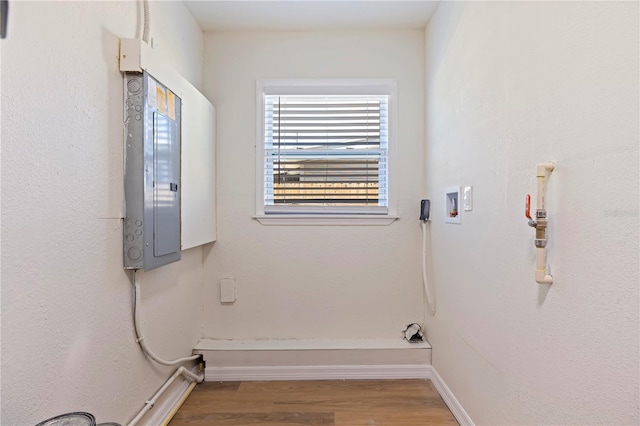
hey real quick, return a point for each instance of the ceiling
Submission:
(300, 15)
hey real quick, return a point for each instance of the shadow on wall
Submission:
(543, 290)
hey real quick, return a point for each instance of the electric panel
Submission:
(152, 173)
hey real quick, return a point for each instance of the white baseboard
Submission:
(170, 398)
(317, 372)
(312, 352)
(449, 398)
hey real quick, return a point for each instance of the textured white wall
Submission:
(306, 281)
(510, 84)
(67, 337)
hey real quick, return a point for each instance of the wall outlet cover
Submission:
(467, 198)
(227, 290)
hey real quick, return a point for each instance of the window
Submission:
(324, 148)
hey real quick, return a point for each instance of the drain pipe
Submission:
(540, 223)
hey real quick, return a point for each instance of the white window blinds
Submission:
(326, 153)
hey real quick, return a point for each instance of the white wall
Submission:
(510, 84)
(67, 337)
(311, 281)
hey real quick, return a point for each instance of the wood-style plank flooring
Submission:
(327, 402)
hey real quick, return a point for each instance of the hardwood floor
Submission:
(326, 402)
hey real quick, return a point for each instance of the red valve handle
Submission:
(527, 207)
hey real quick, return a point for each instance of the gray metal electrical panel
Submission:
(152, 173)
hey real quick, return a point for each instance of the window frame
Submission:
(368, 86)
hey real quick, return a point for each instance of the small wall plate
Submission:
(467, 198)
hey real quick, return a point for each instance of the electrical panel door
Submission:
(152, 173)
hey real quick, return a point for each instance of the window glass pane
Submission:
(326, 151)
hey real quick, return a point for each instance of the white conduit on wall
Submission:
(140, 336)
(181, 371)
(425, 281)
(541, 228)
(146, 23)
(147, 351)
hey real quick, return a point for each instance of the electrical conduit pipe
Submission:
(140, 337)
(198, 378)
(195, 378)
(146, 25)
(425, 282)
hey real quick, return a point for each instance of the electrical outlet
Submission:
(467, 198)
(227, 290)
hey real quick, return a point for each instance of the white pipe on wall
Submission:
(145, 24)
(541, 267)
(140, 337)
(147, 351)
(541, 225)
(425, 282)
(541, 173)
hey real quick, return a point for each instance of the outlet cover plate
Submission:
(467, 198)
(227, 290)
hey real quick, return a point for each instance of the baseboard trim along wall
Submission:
(449, 398)
(312, 352)
(317, 372)
(169, 400)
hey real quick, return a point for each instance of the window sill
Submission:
(325, 220)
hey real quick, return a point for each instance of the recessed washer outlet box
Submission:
(452, 205)
(152, 173)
